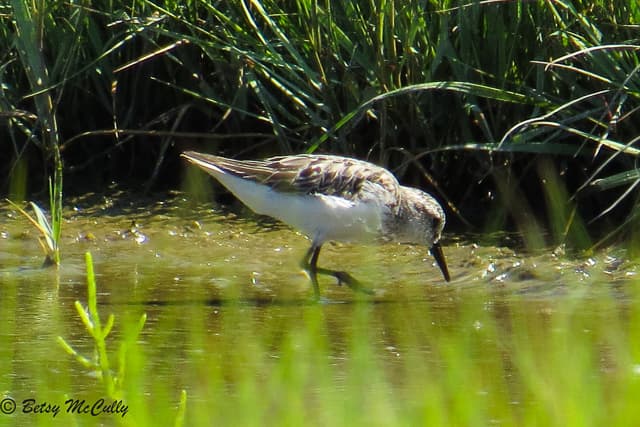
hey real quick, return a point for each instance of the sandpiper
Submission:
(332, 198)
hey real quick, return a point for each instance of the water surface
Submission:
(227, 305)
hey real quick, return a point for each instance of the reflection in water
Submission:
(227, 305)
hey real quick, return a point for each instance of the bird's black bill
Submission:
(436, 252)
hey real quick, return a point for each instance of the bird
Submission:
(332, 198)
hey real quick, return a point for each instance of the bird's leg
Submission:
(310, 264)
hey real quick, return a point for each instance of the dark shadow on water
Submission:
(264, 302)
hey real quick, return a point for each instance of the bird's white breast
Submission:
(320, 217)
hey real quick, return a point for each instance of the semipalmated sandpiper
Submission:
(332, 198)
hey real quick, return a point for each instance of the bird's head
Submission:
(427, 222)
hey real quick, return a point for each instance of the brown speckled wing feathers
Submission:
(309, 174)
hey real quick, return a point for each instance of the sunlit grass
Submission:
(91, 321)
(473, 92)
(464, 90)
(29, 21)
(49, 230)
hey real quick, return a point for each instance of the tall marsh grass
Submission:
(468, 91)
(29, 23)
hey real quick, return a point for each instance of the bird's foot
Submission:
(341, 276)
(345, 278)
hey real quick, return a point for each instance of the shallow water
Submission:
(189, 253)
(212, 281)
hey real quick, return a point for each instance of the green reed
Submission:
(29, 22)
(93, 324)
(384, 79)
(114, 380)
(49, 237)
(377, 79)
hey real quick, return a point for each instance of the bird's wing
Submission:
(254, 170)
(309, 174)
(329, 175)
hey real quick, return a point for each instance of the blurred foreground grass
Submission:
(463, 354)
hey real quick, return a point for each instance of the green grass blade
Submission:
(464, 88)
(617, 180)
